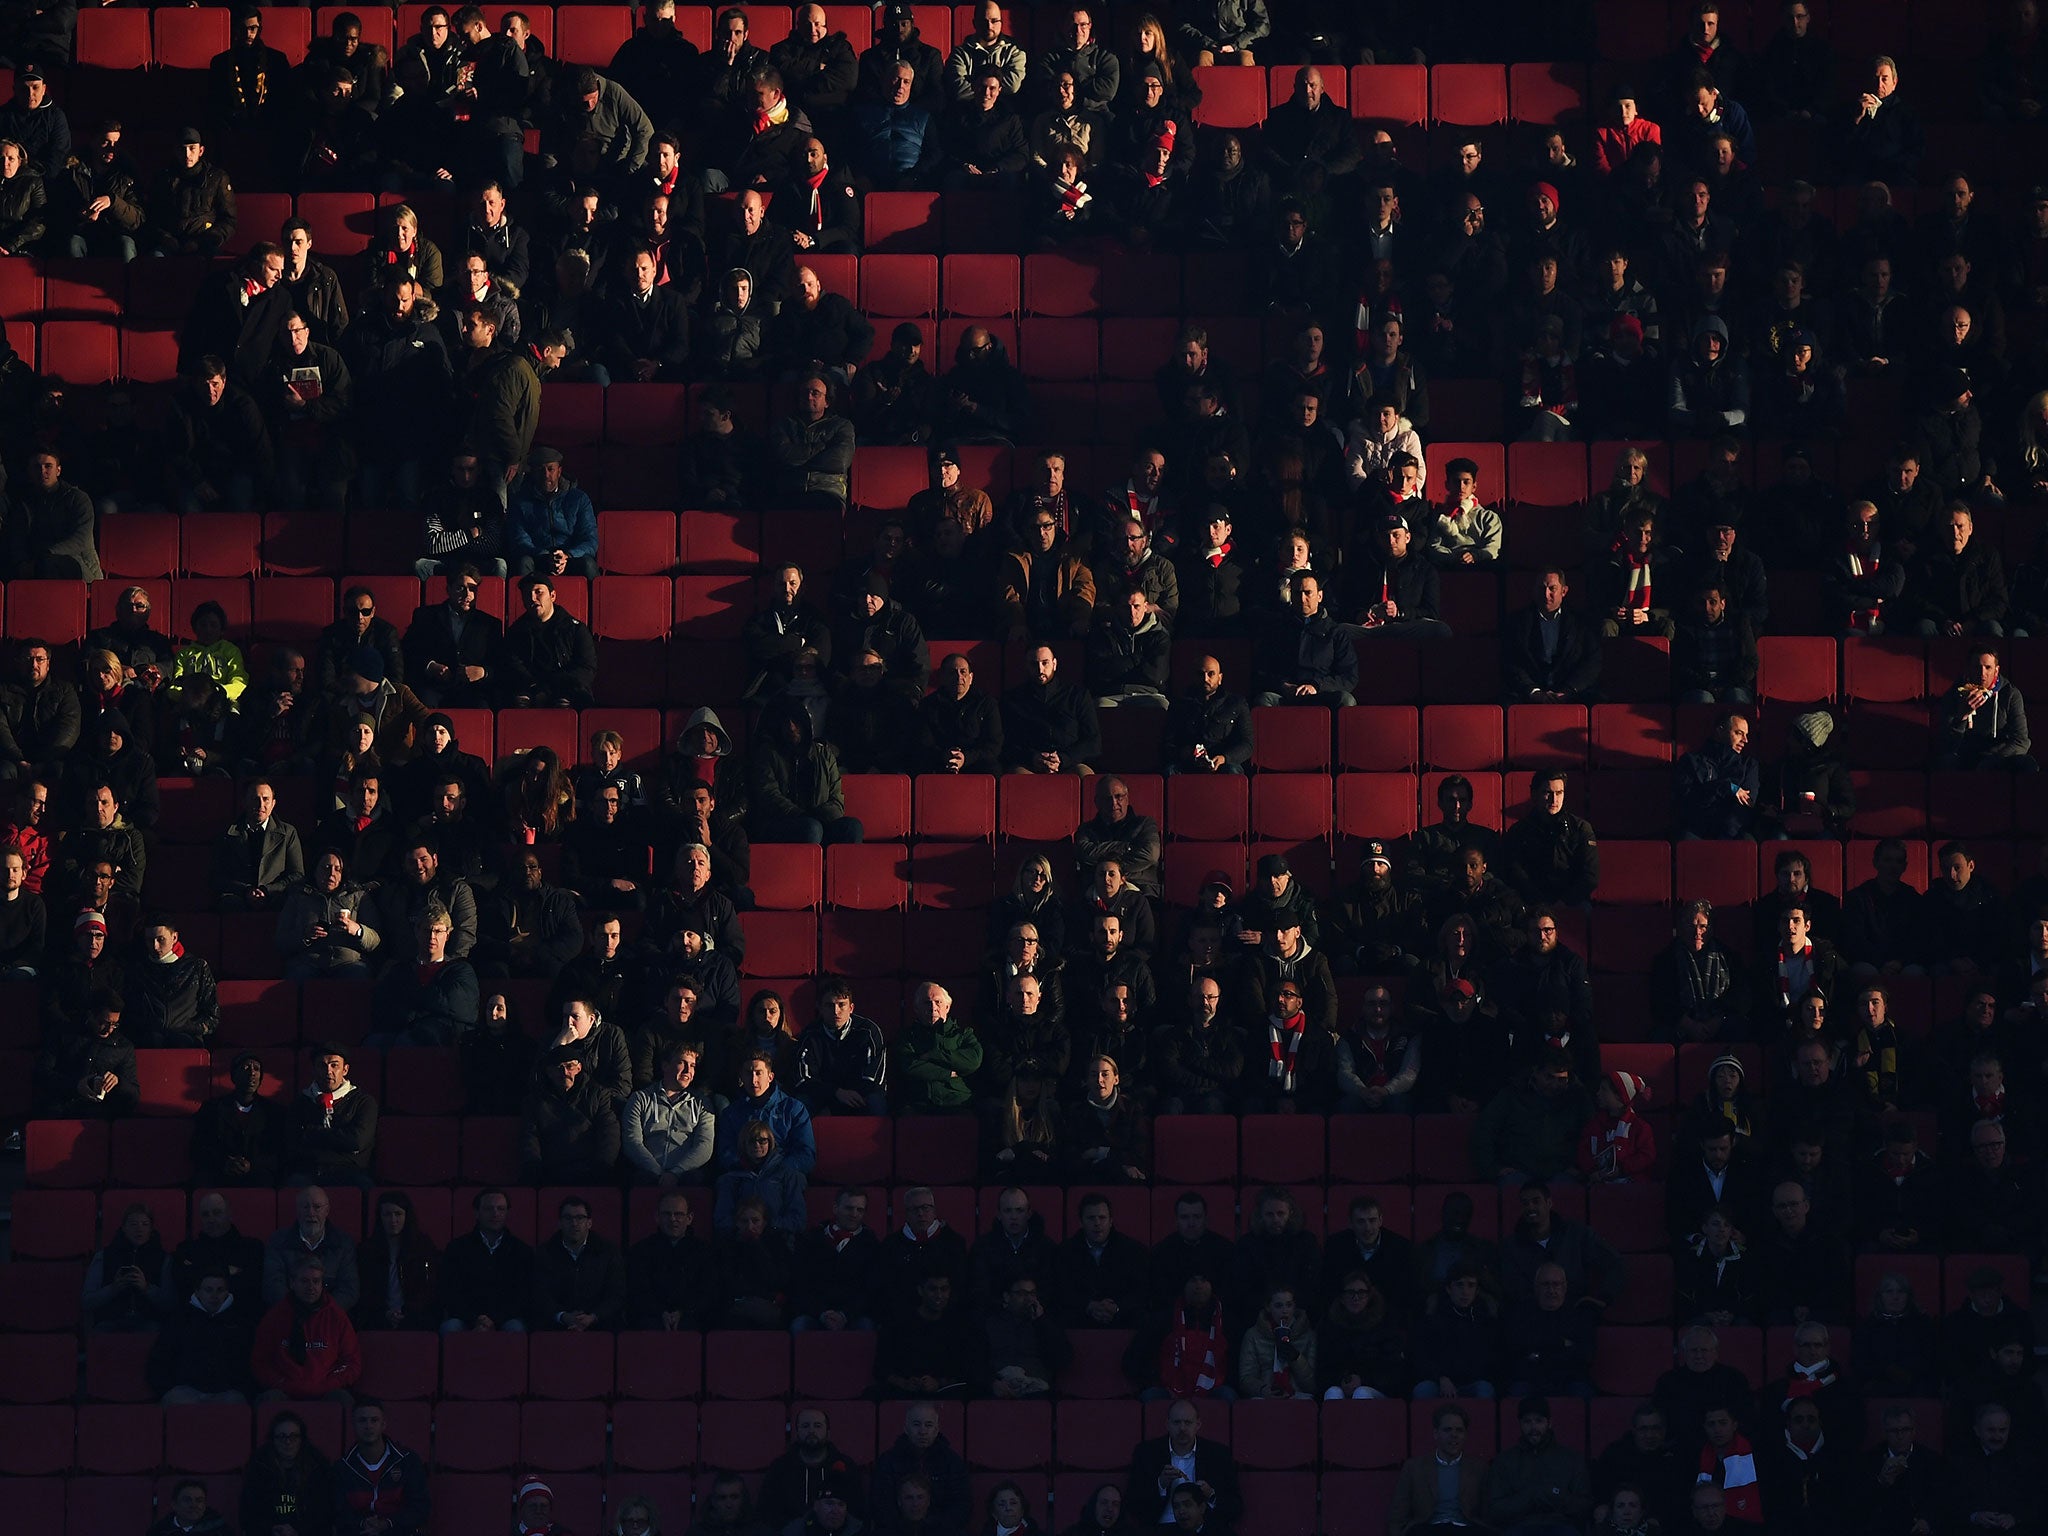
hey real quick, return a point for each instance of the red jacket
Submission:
(333, 1358)
(1620, 1149)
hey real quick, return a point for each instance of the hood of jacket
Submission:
(706, 716)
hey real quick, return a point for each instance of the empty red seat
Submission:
(1547, 94)
(1886, 671)
(113, 40)
(1097, 1370)
(80, 352)
(36, 1442)
(1468, 95)
(476, 1436)
(38, 1368)
(660, 1366)
(591, 34)
(485, 1367)
(1443, 1148)
(1208, 808)
(1546, 474)
(1291, 807)
(1232, 96)
(1723, 873)
(1796, 669)
(1379, 738)
(746, 1365)
(1009, 1437)
(636, 543)
(1062, 283)
(1462, 736)
(954, 807)
(1376, 805)
(868, 877)
(1196, 1149)
(140, 544)
(899, 286)
(1274, 1434)
(1289, 740)
(1283, 1149)
(788, 877)
(65, 1154)
(1390, 94)
(563, 1436)
(1041, 808)
(54, 1224)
(979, 285)
(937, 1149)
(1279, 1503)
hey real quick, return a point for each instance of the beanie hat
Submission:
(368, 664)
(1725, 1061)
(1629, 1088)
(1814, 728)
(1546, 189)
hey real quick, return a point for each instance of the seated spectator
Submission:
(1626, 578)
(1617, 1145)
(1536, 1484)
(1642, 1464)
(1277, 1358)
(933, 1348)
(579, 1277)
(549, 657)
(1955, 584)
(1714, 1274)
(671, 1280)
(405, 1269)
(237, 1135)
(1984, 721)
(1128, 653)
(1396, 589)
(1100, 1278)
(795, 784)
(1528, 1131)
(172, 997)
(377, 1478)
(571, 1131)
(1105, 1132)
(305, 1348)
(322, 930)
(90, 1074)
(842, 1060)
(431, 1001)
(1464, 533)
(760, 1098)
(126, 1284)
(1182, 1458)
(1023, 1348)
(1715, 787)
(1713, 652)
(1449, 1477)
(1803, 1275)
(330, 1130)
(487, 1272)
(1049, 725)
(812, 451)
(667, 1127)
(1361, 1346)
(1550, 655)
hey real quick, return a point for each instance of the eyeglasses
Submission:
(371, 613)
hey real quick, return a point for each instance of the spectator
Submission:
(549, 658)
(1715, 787)
(579, 1278)
(571, 1134)
(796, 787)
(668, 1127)
(287, 1479)
(762, 1177)
(1713, 653)
(1182, 1457)
(1527, 1132)
(487, 1272)
(1536, 1484)
(237, 1136)
(1984, 722)
(405, 1266)
(1448, 1478)
(306, 1348)
(330, 1130)
(1550, 653)
(378, 1479)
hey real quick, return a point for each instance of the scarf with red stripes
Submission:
(1283, 1045)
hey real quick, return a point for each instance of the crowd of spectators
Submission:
(1631, 282)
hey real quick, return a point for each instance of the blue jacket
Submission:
(775, 1184)
(895, 141)
(537, 523)
(785, 1116)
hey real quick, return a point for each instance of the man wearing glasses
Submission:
(451, 646)
(357, 626)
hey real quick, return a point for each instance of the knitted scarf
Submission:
(1736, 1473)
(1283, 1044)
(1074, 195)
(816, 212)
(774, 117)
(1638, 569)
(1216, 555)
(1786, 962)
(1702, 979)
(1282, 1380)
(918, 1239)
(1188, 1359)
(840, 1239)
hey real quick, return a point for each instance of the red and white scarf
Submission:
(1283, 1045)
(1638, 569)
(1736, 1473)
(1807, 1381)
(816, 212)
(1864, 557)
(1074, 195)
(1786, 991)
(774, 117)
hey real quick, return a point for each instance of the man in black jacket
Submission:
(330, 1128)
(1101, 1273)
(811, 1466)
(1397, 593)
(1550, 854)
(1160, 1466)
(398, 360)
(236, 1136)
(1208, 731)
(671, 1279)
(217, 1246)
(647, 330)
(657, 65)
(451, 647)
(984, 138)
(1307, 658)
(579, 1278)
(1049, 726)
(494, 86)
(1549, 654)
(487, 1273)
(959, 727)
(549, 654)
(239, 318)
(1119, 832)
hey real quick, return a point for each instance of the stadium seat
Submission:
(1796, 669)
(660, 1366)
(38, 1368)
(1208, 808)
(220, 544)
(65, 1154)
(1042, 808)
(80, 352)
(1009, 1437)
(1282, 1149)
(1390, 95)
(1097, 1371)
(954, 807)
(1547, 95)
(868, 877)
(483, 1367)
(834, 1366)
(1886, 671)
(654, 1437)
(1376, 806)
(979, 286)
(1232, 97)
(740, 1365)
(36, 1442)
(1291, 807)
(1464, 737)
(636, 543)
(113, 40)
(567, 1436)
(591, 34)
(1546, 475)
(1062, 284)
(1278, 1503)
(1379, 738)
(1274, 1434)
(1468, 95)
(53, 1224)
(1288, 740)
(1196, 1149)
(140, 544)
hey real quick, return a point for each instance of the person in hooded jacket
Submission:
(898, 41)
(763, 1174)
(1129, 651)
(117, 757)
(731, 346)
(796, 794)
(306, 1348)
(1709, 386)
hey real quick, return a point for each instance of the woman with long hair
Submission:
(1033, 898)
(540, 803)
(1023, 1141)
(400, 1269)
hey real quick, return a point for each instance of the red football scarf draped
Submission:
(774, 117)
(1736, 1473)
(1282, 1382)
(1785, 972)
(817, 208)
(920, 1238)
(1807, 1381)
(838, 1238)
(1188, 1358)
(1215, 556)
(1075, 196)
(1283, 1044)
(1638, 577)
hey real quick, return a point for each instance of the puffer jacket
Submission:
(1122, 659)
(773, 1182)
(194, 206)
(1256, 1354)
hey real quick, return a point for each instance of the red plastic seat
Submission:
(207, 1438)
(36, 1442)
(342, 223)
(1196, 1149)
(868, 877)
(1067, 351)
(476, 1436)
(1096, 1436)
(1291, 807)
(1210, 808)
(80, 352)
(398, 1365)
(591, 34)
(1286, 740)
(1282, 1149)
(788, 877)
(54, 1224)
(1096, 1371)
(1064, 284)
(1723, 873)
(1376, 805)
(38, 1368)
(113, 40)
(1232, 96)
(1443, 1150)
(1465, 737)
(856, 942)
(1468, 95)
(1548, 95)
(1631, 735)
(1040, 808)
(901, 221)
(747, 1366)
(174, 1083)
(904, 286)
(1393, 95)
(1628, 1361)
(1546, 474)
(654, 1437)
(21, 288)
(636, 544)
(954, 807)
(780, 943)
(1278, 1503)
(662, 1366)
(483, 1367)
(834, 1366)
(1363, 1433)
(1548, 735)
(65, 1154)
(189, 39)
(1886, 671)
(1274, 1434)
(852, 1150)
(980, 285)
(140, 544)
(1009, 1437)
(566, 1437)
(221, 544)
(937, 1149)
(1796, 669)
(1379, 738)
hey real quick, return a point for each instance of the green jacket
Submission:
(933, 1064)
